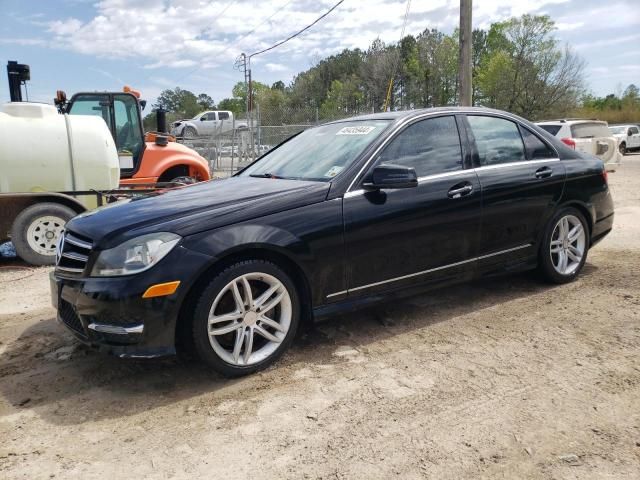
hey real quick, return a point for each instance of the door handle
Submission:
(544, 172)
(457, 192)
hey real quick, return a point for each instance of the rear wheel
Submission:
(36, 231)
(622, 148)
(565, 245)
(246, 318)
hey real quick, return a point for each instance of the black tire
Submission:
(184, 180)
(189, 132)
(545, 261)
(622, 148)
(28, 217)
(201, 343)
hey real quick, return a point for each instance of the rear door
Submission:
(399, 237)
(522, 181)
(633, 137)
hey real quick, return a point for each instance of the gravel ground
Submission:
(506, 378)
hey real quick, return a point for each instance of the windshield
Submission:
(319, 153)
(618, 130)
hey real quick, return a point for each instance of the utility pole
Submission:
(464, 67)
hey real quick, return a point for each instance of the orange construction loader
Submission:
(145, 159)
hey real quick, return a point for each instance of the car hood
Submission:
(195, 208)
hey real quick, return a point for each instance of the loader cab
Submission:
(121, 112)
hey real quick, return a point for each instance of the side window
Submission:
(429, 146)
(211, 116)
(128, 135)
(633, 130)
(498, 140)
(536, 148)
(223, 115)
(91, 105)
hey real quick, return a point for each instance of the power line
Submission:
(299, 32)
(238, 40)
(395, 65)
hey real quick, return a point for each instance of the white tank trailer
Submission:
(46, 159)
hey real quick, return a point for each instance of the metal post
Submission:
(464, 70)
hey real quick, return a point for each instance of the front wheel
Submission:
(190, 132)
(246, 318)
(565, 245)
(36, 231)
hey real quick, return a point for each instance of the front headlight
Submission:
(135, 255)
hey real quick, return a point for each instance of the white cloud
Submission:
(276, 67)
(183, 33)
(605, 42)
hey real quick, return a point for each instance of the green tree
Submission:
(525, 72)
(205, 102)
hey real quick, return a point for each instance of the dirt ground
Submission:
(508, 378)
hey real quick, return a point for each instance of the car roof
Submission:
(570, 121)
(400, 115)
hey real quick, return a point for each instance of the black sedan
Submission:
(338, 217)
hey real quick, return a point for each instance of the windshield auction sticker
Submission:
(364, 130)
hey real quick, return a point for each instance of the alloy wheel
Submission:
(249, 319)
(568, 243)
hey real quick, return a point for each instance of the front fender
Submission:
(158, 159)
(236, 238)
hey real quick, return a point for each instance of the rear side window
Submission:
(498, 140)
(430, 146)
(223, 115)
(552, 129)
(589, 130)
(536, 148)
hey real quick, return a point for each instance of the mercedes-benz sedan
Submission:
(341, 216)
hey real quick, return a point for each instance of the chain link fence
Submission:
(230, 148)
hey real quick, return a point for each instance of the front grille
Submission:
(72, 254)
(70, 318)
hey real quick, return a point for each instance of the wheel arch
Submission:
(12, 204)
(264, 252)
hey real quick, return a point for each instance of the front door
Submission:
(522, 181)
(397, 238)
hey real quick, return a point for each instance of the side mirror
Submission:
(203, 118)
(392, 176)
(629, 133)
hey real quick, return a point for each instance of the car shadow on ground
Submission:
(45, 370)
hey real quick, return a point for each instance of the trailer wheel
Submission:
(36, 230)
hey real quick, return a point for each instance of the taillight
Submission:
(605, 176)
(569, 142)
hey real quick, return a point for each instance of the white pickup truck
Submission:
(628, 137)
(213, 122)
(587, 136)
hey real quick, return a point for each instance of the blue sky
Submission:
(80, 45)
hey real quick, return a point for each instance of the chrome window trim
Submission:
(404, 122)
(515, 164)
(410, 275)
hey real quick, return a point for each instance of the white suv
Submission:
(588, 136)
(628, 137)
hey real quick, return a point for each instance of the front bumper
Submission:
(109, 313)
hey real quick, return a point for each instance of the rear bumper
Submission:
(601, 229)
